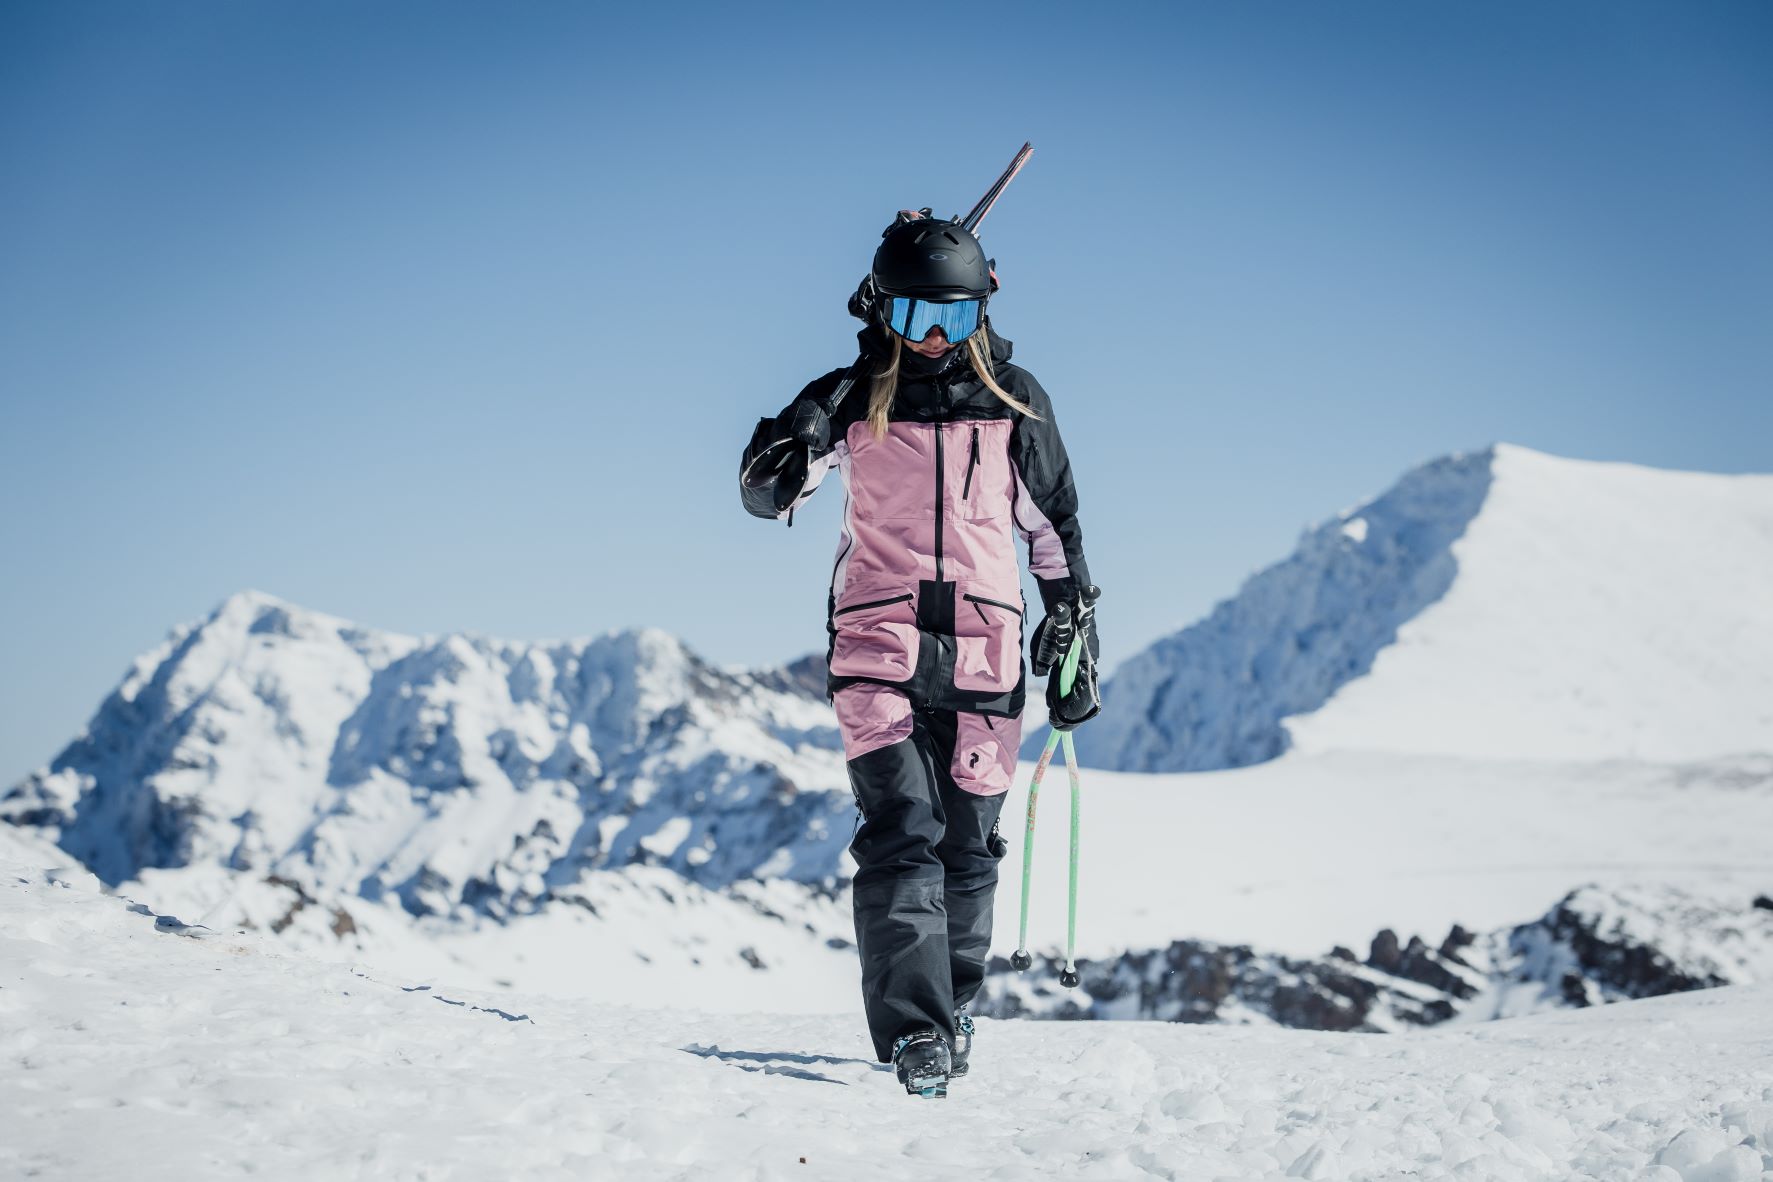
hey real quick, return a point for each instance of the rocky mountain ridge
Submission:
(446, 773)
(1593, 946)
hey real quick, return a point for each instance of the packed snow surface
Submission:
(132, 1048)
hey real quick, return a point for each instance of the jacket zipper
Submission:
(856, 607)
(941, 406)
(972, 462)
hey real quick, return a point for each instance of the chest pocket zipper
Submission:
(972, 462)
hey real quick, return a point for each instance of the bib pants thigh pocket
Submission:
(987, 639)
(875, 635)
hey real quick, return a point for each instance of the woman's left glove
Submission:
(1068, 621)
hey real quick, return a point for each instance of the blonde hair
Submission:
(886, 381)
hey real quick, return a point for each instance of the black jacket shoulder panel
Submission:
(1038, 451)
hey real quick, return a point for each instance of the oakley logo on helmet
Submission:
(937, 256)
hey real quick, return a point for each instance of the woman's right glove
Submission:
(773, 469)
(1067, 621)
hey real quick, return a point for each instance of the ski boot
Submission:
(922, 1063)
(963, 1043)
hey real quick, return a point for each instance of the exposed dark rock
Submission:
(1456, 939)
(1417, 962)
(1594, 946)
(1196, 981)
(1594, 930)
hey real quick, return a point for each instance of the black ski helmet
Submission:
(930, 259)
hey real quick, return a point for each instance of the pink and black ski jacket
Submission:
(925, 591)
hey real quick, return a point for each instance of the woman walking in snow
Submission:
(951, 455)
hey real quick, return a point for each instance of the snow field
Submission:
(1495, 604)
(1292, 856)
(131, 1052)
(1309, 851)
(1600, 610)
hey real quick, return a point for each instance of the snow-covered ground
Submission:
(1292, 856)
(1312, 850)
(131, 1050)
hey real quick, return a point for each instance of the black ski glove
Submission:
(1084, 702)
(808, 423)
(1053, 637)
(772, 470)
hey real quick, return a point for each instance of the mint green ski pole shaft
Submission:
(1069, 976)
(1021, 958)
(1067, 676)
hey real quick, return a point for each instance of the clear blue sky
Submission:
(452, 316)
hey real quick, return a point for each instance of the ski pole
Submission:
(1020, 959)
(1068, 676)
(1068, 978)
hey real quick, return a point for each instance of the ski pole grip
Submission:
(1068, 669)
(1053, 636)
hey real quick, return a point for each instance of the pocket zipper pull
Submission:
(972, 461)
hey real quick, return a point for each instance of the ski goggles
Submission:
(913, 318)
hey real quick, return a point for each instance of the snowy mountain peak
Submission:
(445, 771)
(1499, 602)
(1214, 694)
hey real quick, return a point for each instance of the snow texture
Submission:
(1504, 603)
(135, 1046)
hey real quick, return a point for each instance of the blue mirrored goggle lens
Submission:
(913, 319)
